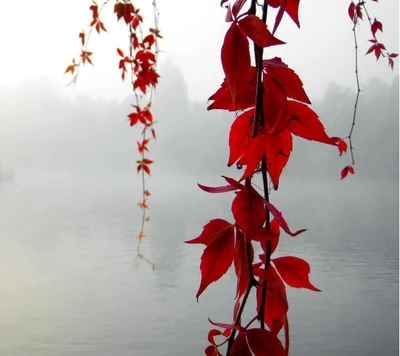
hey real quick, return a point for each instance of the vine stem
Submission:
(85, 47)
(137, 99)
(358, 88)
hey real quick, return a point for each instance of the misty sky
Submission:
(40, 39)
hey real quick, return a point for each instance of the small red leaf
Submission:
(223, 189)
(351, 10)
(345, 171)
(376, 25)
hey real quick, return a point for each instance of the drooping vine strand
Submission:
(356, 14)
(142, 61)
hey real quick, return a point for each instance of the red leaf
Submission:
(304, 122)
(128, 13)
(216, 259)
(241, 264)
(289, 80)
(240, 346)
(248, 211)
(86, 57)
(70, 68)
(240, 135)
(278, 150)
(223, 189)
(376, 25)
(276, 305)
(244, 95)
(212, 351)
(94, 8)
(345, 171)
(82, 37)
(351, 10)
(257, 30)
(271, 235)
(291, 7)
(120, 52)
(264, 343)
(119, 9)
(283, 224)
(226, 326)
(212, 231)
(341, 143)
(237, 6)
(253, 155)
(274, 106)
(235, 58)
(211, 334)
(294, 271)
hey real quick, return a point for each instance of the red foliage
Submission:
(271, 106)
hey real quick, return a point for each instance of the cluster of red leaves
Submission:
(141, 63)
(356, 11)
(271, 106)
(285, 112)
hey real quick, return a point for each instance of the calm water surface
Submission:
(70, 285)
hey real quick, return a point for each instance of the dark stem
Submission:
(358, 91)
(252, 283)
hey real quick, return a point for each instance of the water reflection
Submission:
(69, 285)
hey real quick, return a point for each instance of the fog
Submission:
(68, 222)
(41, 129)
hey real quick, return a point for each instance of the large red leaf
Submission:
(240, 135)
(212, 231)
(288, 79)
(257, 30)
(235, 58)
(294, 271)
(248, 211)
(304, 122)
(216, 259)
(264, 343)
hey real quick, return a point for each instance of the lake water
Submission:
(70, 284)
